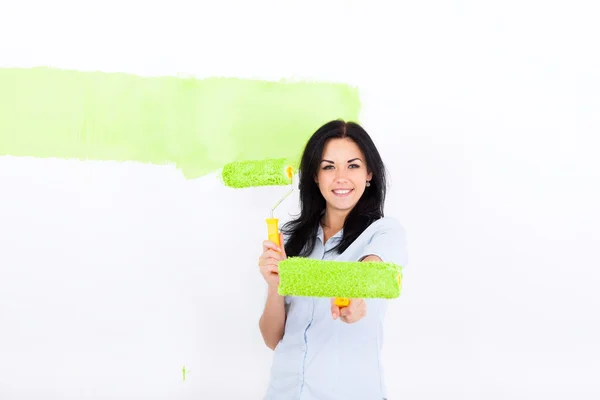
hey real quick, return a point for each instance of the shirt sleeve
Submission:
(388, 242)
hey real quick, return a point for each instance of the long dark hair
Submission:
(369, 208)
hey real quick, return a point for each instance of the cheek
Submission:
(325, 179)
(360, 178)
(323, 183)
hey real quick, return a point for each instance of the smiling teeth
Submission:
(341, 191)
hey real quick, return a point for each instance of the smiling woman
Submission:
(342, 193)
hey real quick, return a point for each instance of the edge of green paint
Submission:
(198, 125)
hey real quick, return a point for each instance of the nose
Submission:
(341, 174)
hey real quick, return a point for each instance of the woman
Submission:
(322, 352)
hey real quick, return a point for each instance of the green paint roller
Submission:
(254, 173)
(299, 276)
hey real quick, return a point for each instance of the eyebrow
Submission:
(331, 162)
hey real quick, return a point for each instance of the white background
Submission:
(115, 275)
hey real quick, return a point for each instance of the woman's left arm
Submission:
(388, 244)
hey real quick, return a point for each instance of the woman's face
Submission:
(342, 175)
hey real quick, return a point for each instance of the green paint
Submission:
(198, 125)
(183, 372)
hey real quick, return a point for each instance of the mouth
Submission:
(342, 192)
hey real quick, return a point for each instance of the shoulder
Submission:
(387, 225)
(386, 238)
(388, 222)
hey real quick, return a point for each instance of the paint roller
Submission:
(255, 173)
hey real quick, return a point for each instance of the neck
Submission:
(333, 221)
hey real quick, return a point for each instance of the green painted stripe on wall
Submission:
(196, 124)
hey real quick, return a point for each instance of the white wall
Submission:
(114, 275)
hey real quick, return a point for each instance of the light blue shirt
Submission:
(320, 358)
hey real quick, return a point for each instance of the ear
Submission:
(369, 176)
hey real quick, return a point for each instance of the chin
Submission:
(343, 202)
(346, 204)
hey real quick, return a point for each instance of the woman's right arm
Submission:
(272, 320)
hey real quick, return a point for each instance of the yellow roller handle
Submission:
(273, 230)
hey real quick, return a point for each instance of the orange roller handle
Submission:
(341, 301)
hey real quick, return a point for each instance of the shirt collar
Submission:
(321, 234)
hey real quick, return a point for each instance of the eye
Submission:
(328, 167)
(354, 166)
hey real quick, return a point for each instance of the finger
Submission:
(351, 318)
(267, 244)
(346, 319)
(267, 261)
(264, 260)
(269, 268)
(335, 310)
(353, 308)
(354, 305)
(359, 313)
(274, 254)
(349, 309)
(345, 312)
(282, 247)
(271, 254)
